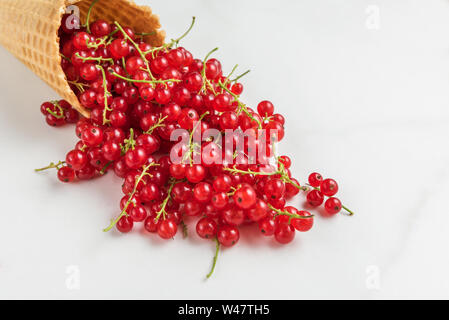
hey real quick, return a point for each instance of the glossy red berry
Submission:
(138, 213)
(265, 109)
(303, 225)
(135, 158)
(195, 173)
(125, 224)
(332, 205)
(76, 159)
(202, 192)
(206, 228)
(329, 187)
(267, 226)
(315, 179)
(284, 233)
(228, 235)
(315, 198)
(66, 174)
(92, 136)
(245, 197)
(167, 229)
(258, 211)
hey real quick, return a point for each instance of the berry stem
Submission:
(124, 213)
(176, 41)
(142, 55)
(159, 124)
(106, 93)
(206, 81)
(87, 25)
(103, 171)
(350, 212)
(51, 166)
(167, 198)
(240, 76)
(192, 145)
(214, 262)
(98, 59)
(80, 86)
(185, 230)
(242, 106)
(144, 81)
(129, 143)
(285, 213)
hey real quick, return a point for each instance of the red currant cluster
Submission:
(322, 188)
(59, 113)
(139, 96)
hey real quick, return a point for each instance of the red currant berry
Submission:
(151, 225)
(167, 229)
(315, 179)
(332, 205)
(136, 158)
(195, 173)
(285, 233)
(329, 187)
(265, 109)
(274, 189)
(315, 198)
(267, 226)
(66, 174)
(228, 235)
(76, 159)
(125, 224)
(92, 136)
(202, 192)
(245, 197)
(258, 211)
(206, 228)
(303, 225)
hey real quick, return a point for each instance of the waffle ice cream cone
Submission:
(29, 30)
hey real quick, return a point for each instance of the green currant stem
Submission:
(206, 81)
(232, 192)
(285, 213)
(142, 55)
(103, 171)
(242, 106)
(185, 230)
(176, 41)
(167, 198)
(350, 212)
(51, 166)
(191, 144)
(123, 213)
(98, 44)
(98, 59)
(172, 42)
(87, 25)
(80, 86)
(240, 76)
(144, 81)
(66, 58)
(129, 143)
(106, 93)
(159, 124)
(214, 262)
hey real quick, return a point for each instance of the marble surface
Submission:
(364, 85)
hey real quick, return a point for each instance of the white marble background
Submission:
(364, 85)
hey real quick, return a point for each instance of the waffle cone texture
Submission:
(29, 30)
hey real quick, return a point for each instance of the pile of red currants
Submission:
(147, 107)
